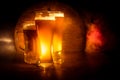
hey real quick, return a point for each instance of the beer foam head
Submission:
(51, 15)
(29, 25)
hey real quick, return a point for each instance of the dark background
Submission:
(11, 10)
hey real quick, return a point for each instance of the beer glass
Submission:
(50, 36)
(57, 37)
(30, 39)
(44, 26)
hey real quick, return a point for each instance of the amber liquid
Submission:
(30, 55)
(44, 28)
(50, 33)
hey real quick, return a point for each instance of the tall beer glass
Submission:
(49, 29)
(44, 26)
(30, 39)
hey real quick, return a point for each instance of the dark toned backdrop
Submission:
(11, 10)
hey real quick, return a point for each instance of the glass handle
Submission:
(20, 36)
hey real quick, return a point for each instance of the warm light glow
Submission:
(49, 35)
(57, 47)
(49, 24)
(59, 15)
(45, 65)
(45, 18)
(6, 40)
(59, 53)
(60, 46)
(51, 15)
(94, 35)
(94, 39)
(56, 14)
(57, 42)
(43, 49)
(29, 25)
(44, 44)
(52, 49)
(43, 37)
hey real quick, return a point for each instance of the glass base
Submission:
(29, 59)
(45, 66)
